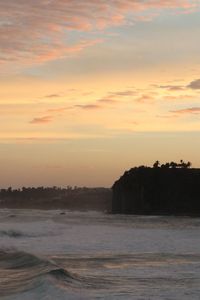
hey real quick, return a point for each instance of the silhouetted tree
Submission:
(156, 164)
(173, 165)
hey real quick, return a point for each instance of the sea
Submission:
(59, 254)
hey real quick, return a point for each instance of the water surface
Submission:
(88, 255)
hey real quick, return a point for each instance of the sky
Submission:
(91, 88)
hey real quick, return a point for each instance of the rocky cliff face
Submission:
(146, 190)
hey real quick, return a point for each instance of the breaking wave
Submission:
(21, 271)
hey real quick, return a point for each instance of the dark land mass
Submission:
(169, 189)
(97, 199)
(166, 190)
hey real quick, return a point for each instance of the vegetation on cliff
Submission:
(172, 188)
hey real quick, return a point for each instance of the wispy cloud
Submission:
(42, 120)
(145, 99)
(195, 84)
(88, 106)
(190, 110)
(173, 88)
(116, 97)
(178, 98)
(125, 93)
(58, 109)
(111, 99)
(107, 100)
(37, 30)
(53, 96)
(170, 116)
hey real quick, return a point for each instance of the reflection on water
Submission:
(46, 255)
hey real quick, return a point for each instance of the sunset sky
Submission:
(90, 88)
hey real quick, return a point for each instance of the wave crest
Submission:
(21, 271)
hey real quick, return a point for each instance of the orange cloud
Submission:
(145, 99)
(88, 106)
(52, 96)
(59, 109)
(107, 100)
(42, 120)
(166, 116)
(178, 98)
(190, 110)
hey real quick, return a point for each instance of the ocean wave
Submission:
(13, 233)
(28, 276)
(21, 271)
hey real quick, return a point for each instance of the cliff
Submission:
(147, 190)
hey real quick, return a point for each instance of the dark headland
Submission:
(170, 189)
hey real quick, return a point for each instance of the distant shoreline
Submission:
(82, 199)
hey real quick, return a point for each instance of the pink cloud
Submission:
(35, 31)
(190, 110)
(58, 51)
(167, 116)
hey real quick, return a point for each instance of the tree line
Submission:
(173, 165)
(45, 192)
